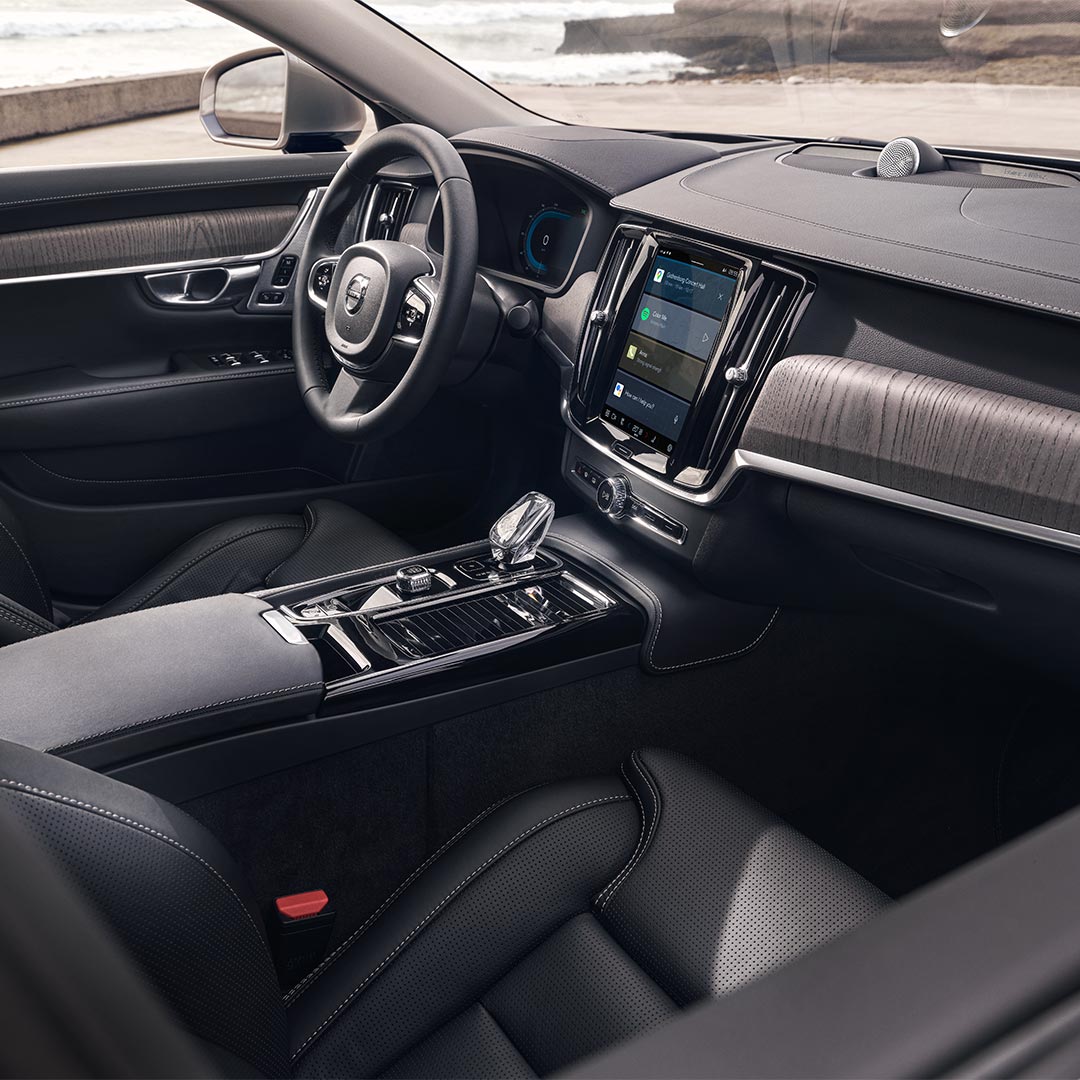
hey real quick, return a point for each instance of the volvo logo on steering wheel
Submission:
(356, 293)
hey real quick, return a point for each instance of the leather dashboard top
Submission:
(1015, 245)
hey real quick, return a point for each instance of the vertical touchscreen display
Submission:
(679, 318)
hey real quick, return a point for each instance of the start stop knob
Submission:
(613, 496)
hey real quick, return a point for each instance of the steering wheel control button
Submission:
(613, 496)
(414, 312)
(322, 279)
(412, 580)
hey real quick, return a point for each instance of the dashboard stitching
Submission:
(890, 272)
(159, 385)
(164, 187)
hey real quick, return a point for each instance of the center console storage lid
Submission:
(107, 691)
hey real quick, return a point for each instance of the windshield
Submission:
(959, 73)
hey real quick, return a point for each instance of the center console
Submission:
(448, 609)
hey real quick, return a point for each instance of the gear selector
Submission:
(516, 536)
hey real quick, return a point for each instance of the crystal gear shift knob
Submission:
(521, 530)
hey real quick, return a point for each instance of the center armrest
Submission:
(103, 692)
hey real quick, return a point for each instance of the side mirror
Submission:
(273, 100)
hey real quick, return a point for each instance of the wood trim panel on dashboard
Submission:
(941, 440)
(145, 241)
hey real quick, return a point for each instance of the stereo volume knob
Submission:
(613, 496)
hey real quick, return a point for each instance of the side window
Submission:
(84, 81)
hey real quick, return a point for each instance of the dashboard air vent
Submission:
(387, 210)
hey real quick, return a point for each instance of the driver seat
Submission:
(258, 552)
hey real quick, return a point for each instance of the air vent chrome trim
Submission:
(391, 197)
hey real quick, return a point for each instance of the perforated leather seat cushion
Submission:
(558, 923)
(595, 928)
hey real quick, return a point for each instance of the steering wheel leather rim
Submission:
(352, 406)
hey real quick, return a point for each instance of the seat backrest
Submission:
(168, 890)
(25, 604)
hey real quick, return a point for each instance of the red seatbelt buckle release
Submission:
(302, 905)
(302, 925)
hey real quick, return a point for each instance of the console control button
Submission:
(613, 496)
(284, 271)
(413, 579)
(476, 569)
(588, 474)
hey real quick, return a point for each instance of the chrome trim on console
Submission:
(746, 460)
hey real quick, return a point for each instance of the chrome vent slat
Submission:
(387, 210)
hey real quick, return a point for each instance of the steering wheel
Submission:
(392, 321)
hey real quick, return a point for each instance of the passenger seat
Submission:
(558, 923)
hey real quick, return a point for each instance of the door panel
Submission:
(143, 241)
(120, 436)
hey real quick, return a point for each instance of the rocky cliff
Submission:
(778, 37)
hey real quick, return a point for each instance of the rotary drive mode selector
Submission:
(613, 496)
(413, 579)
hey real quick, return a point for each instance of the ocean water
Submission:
(503, 41)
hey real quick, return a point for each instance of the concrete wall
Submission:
(30, 111)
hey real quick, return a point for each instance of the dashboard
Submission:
(802, 382)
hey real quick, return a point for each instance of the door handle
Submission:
(210, 286)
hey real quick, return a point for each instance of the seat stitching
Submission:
(441, 904)
(28, 789)
(181, 712)
(308, 530)
(306, 981)
(199, 558)
(20, 622)
(637, 847)
(29, 564)
(309, 534)
(618, 570)
(654, 794)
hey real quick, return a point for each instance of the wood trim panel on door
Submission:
(143, 241)
(941, 440)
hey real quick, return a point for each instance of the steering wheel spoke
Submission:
(391, 322)
(419, 301)
(320, 280)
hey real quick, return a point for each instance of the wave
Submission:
(464, 13)
(76, 24)
(571, 69)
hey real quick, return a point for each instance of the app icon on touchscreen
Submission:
(618, 389)
(659, 275)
